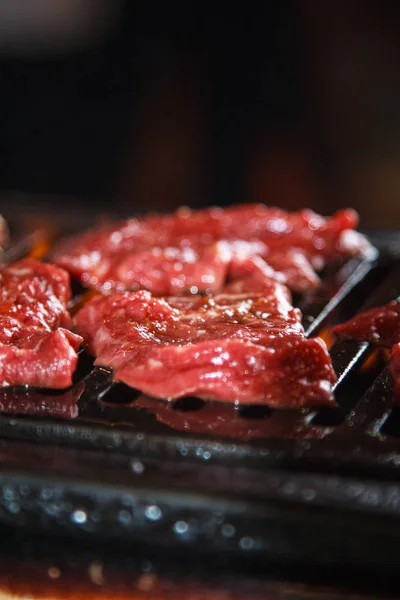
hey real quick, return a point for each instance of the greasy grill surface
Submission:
(215, 476)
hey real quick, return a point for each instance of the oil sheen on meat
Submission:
(381, 326)
(240, 345)
(37, 347)
(192, 251)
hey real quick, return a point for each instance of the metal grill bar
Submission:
(346, 357)
(371, 412)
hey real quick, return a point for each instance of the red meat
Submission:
(245, 347)
(291, 269)
(320, 239)
(168, 254)
(380, 326)
(36, 346)
(172, 270)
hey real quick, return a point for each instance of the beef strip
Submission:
(181, 252)
(381, 326)
(36, 346)
(248, 347)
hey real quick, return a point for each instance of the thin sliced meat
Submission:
(291, 268)
(381, 326)
(286, 378)
(172, 270)
(297, 271)
(244, 347)
(36, 346)
(320, 239)
(178, 247)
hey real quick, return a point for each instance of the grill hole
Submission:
(77, 289)
(255, 411)
(190, 403)
(330, 417)
(120, 394)
(85, 365)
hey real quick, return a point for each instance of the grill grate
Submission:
(112, 408)
(106, 410)
(204, 459)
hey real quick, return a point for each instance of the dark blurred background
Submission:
(149, 105)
